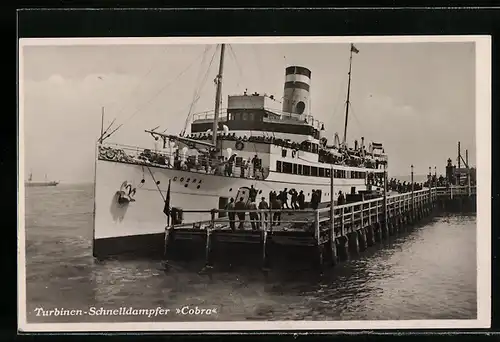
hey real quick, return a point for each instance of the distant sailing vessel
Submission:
(252, 144)
(30, 182)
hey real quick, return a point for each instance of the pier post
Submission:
(208, 242)
(342, 248)
(265, 259)
(384, 225)
(378, 232)
(333, 244)
(362, 239)
(412, 195)
(353, 243)
(370, 236)
(319, 245)
(167, 240)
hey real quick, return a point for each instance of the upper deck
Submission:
(259, 113)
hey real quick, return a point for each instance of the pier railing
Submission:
(347, 217)
(356, 225)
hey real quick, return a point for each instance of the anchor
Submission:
(126, 193)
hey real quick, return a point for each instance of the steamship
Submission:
(31, 183)
(253, 142)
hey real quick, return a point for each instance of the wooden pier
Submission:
(329, 236)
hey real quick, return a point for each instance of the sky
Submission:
(418, 99)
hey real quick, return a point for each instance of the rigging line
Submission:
(240, 70)
(159, 92)
(356, 119)
(106, 130)
(134, 89)
(198, 91)
(154, 180)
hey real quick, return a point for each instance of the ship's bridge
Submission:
(259, 113)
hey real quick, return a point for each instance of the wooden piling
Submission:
(208, 241)
(362, 240)
(370, 236)
(352, 239)
(343, 248)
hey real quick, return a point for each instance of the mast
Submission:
(353, 49)
(218, 95)
(102, 124)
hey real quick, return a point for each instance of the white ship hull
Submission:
(141, 223)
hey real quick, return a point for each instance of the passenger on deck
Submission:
(341, 198)
(232, 216)
(253, 193)
(240, 206)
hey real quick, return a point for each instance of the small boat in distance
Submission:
(44, 183)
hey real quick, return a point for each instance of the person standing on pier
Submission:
(232, 215)
(294, 204)
(263, 206)
(276, 216)
(240, 206)
(284, 199)
(341, 199)
(302, 200)
(254, 216)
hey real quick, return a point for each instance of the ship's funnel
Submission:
(296, 93)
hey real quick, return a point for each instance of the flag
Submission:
(354, 49)
(166, 208)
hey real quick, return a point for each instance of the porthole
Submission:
(194, 180)
(199, 181)
(185, 185)
(187, 180)
(182, 179)
(230, 189)
(157, 182)
(198, 187)
(175, 178)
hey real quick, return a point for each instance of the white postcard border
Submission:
(483, 160)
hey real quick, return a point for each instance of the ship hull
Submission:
(138, 226)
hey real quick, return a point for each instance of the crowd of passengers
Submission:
(350, 157)
(284, 199)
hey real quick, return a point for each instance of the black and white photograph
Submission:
(257, 183)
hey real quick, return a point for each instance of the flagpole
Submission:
(348, 95)
(167, 198)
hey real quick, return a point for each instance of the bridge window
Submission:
(237, 116)
(321, 172)
(327, 173)
(283, 153)
(314, 171)
(295, 169)
(244, 116)
(278, 166)
(306, 170)
(300, 169)
(287, 167)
